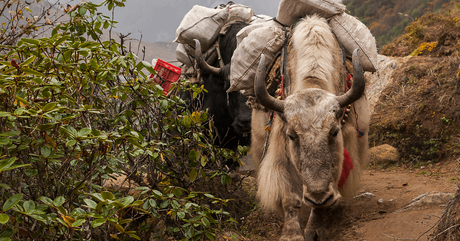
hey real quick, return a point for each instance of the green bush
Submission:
(74, 113)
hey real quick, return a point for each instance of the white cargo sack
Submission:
(246, 58)
(201, 23)
(353, 34)
(240, 10)
(260, 18)
(291, 10)
(183, 55)
(244, 32)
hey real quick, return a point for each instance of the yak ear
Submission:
(260, 90)
(359, 83)
(202, 64)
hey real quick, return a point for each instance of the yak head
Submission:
(313, 136)
(239, 111)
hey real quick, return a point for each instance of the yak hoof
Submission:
(292, 238)
(311, 235)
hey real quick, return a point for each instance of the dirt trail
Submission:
(367, 218)
(388, 220)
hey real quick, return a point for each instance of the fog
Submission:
(158, 19)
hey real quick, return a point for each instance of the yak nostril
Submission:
(319, 199)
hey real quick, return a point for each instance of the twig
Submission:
(443, 214)
(241, 182)
(139, 45)
(445, 231)
(393, 237)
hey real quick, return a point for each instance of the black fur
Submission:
(232, 117)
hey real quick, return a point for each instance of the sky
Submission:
(159, 19)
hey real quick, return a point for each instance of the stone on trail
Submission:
(383, 154)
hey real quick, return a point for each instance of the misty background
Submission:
(158, 19)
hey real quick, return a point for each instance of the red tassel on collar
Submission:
(347, 166)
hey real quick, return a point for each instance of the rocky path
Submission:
(386, 209)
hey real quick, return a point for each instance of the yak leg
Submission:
(291, 230)
(323, 221)
(315, 230)
(259, 121)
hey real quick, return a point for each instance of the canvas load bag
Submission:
(243, 33)
(185, 54)
(289, 11)
(353, 34)
(201, 23)
(240, 10)
(259, 18)
(245, 60)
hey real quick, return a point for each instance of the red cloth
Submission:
(347, 166)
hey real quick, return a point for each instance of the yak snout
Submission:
(242, 123)
(317, 195)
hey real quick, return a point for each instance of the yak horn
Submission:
(202, 64)
(359, 84)
(261, 91)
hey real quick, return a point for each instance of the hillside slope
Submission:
(418, 110)
(388, 18)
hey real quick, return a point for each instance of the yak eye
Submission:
(292, 135)
(334, 131)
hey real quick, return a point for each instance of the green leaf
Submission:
(157, 193)
(45, 127)
(120, 228)
(152, 203)
(61, 40)
(164, 105)
(189, 232)
(134, 142)
(10, 133)
(59, 201)
(71, 143)
(92, 204)
(164, 204)
(78, 222)
(14, 167)
(12, 201)
(30, 41)
(205, 222)
(128, 200)
(6, 233)
(204, 160)
(193, 175)
(4, 141)
(177, 192)
(82, 11)
(4, 218)
(4, 164)
(31, 172)
(32, 72)
(29, 205)
(4, 114)
(107, 195)
(62, 210)
(148, 66)
(84, 132)
(98, 222)
(45, 151)
(22, 100)
(28, 61)
(210, 236)
(3, 185)
(49, 106)
(193, 155)
(134, 236)
(46, 200)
